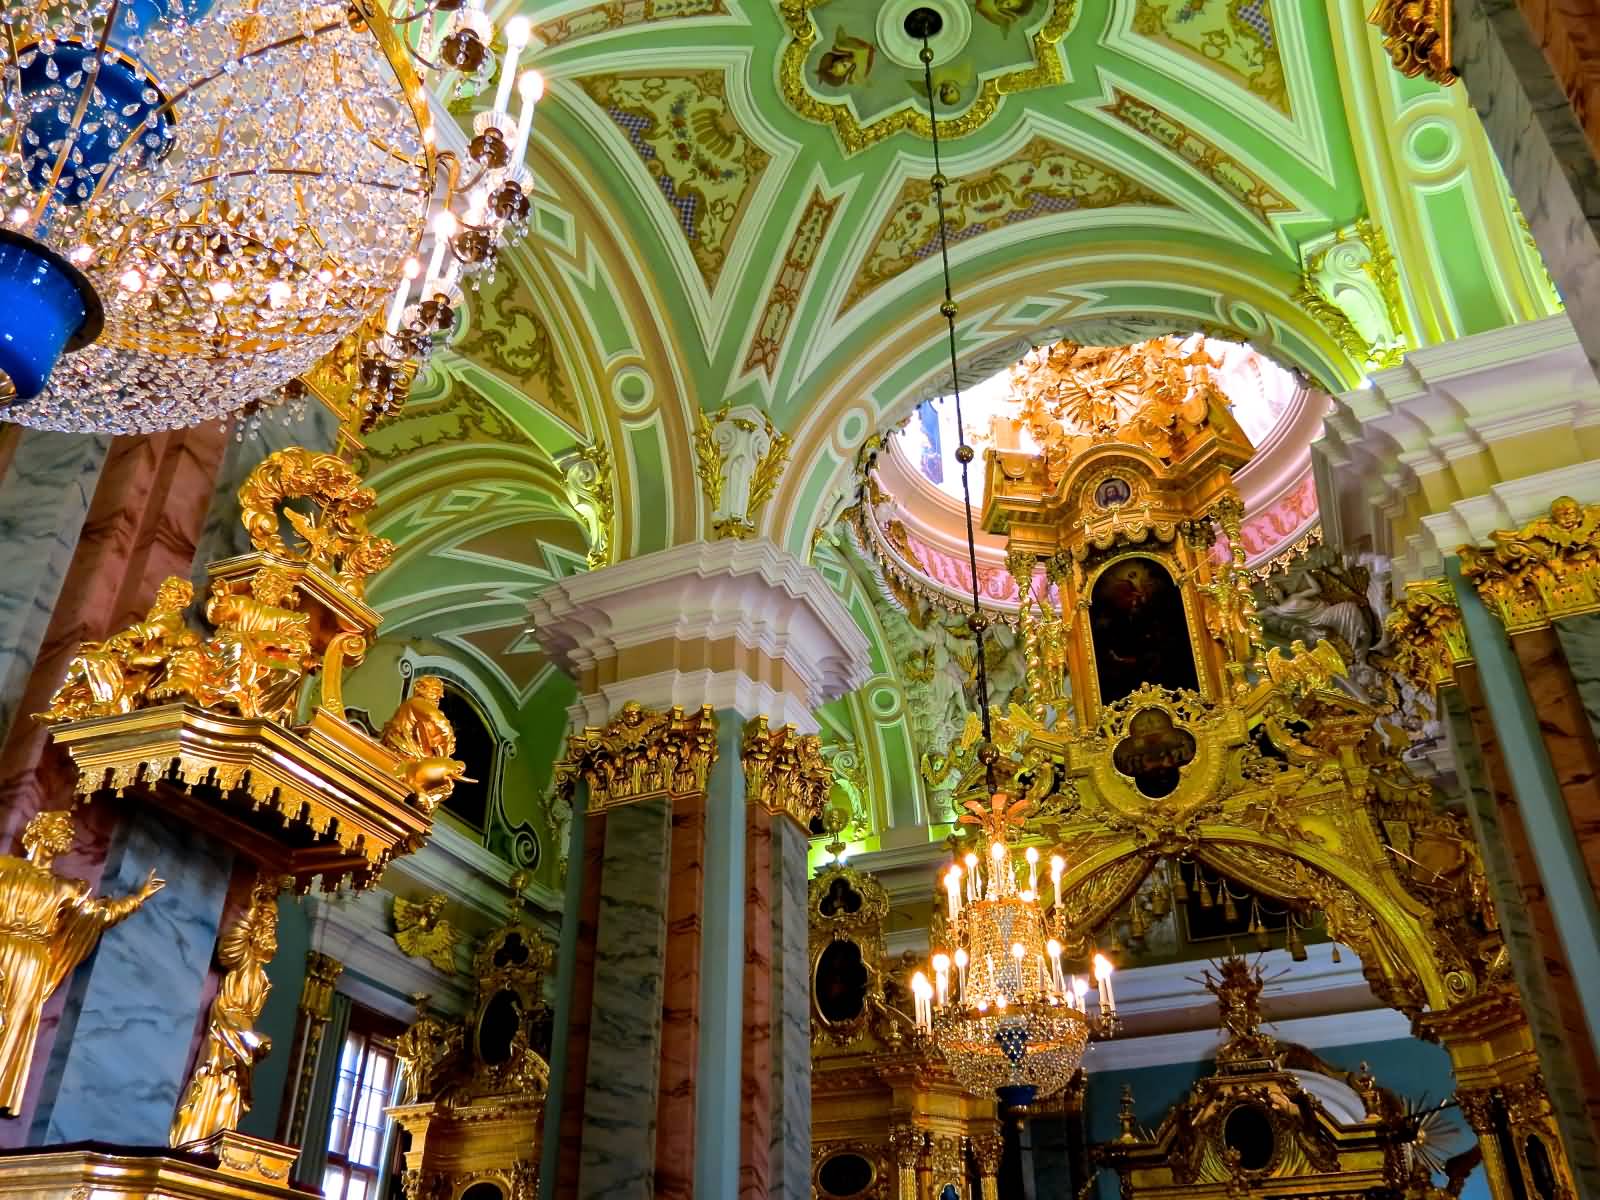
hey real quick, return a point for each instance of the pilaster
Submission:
(698, 671)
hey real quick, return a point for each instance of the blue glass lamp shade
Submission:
(49, 308)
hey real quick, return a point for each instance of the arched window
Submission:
(478, 747)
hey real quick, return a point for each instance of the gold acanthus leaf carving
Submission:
(1547, 570)
(1416, 33)
(336, 537)
(1425, 632)
(784, 771)
(641, 755)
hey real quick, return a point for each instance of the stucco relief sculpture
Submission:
(48, 925)
(219, 1090)
(740, 456)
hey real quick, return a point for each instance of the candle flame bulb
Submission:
(1032, 855)
(1017, 951)
(961, 958)
(997, 850)
(1053, 948)
(1102, 967)
(941, 961)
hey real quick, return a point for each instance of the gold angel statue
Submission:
(109, 677)
(219, 1090)
(422, 932)
(422, 734)
(426, 1046)
(48, 925)
(1305, 670)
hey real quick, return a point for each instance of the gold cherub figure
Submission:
(48, 925)
(108, 678)
(219, 1090)
(423, 736)
(422, 932)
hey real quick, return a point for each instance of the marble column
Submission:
(622, 1076)
(693, 894)
(1541, 143)
(45, 493)
(1539, 967)
(1580, 643)
(567, 1044)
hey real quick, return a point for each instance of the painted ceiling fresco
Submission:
(733, 208)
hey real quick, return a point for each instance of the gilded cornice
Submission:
(784, 771)
(1545, 571)
(641, 755)
(1425, 634)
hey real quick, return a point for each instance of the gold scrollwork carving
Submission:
(784, 771)
(641, 755)
(1547, 570)
(1416, 33)
(1425, 634)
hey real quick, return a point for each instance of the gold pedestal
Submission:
(227, 1164)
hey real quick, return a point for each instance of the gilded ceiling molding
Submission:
(784, 771)
(705, 166)
(1545, 571)
(1204, 155)
(620, 14)
(1416, 33)
(1350, 282)
(740, 456)
(784, 300)
(1236, 39)
(849, 62)
(641, 755)
(1426, 636)
(586, 477)
(1043, 179)
(508, 336)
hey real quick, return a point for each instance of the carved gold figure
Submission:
(423, 735)
(219, 1090)
(422, 932)
(48, 925)
(336, 539)
(254, 662)
(110, 677)
(1549, 568)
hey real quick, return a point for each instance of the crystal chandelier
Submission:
(201, 199)
(1008, 1019)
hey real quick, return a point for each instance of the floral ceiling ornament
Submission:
(849, 64)
(1416, 33)
(1349, 283)
(739, 457)
(1236, 39)
(586, 477)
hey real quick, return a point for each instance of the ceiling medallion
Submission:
(853, 65)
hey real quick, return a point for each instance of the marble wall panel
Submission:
(756, 1107)
(564, 1180)
(1580, 642)
(1539, 964)
(680, 1018)
(120, 1056)
(618, 1157)
(44, 498)
(1568, 739)
(791, 1017)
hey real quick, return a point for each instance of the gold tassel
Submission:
(1180, 888)
(1205, 894)
(1138, 926)
(1335, 951)
(1230, 910)
(1297, 947)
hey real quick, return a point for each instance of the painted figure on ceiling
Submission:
(848, 63)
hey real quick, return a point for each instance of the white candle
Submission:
(444, 228)
(1033, 870)
(952, 887)
(1102, 975)
(530, 87)
(518, 30)
(941, 977)
(408, 272)
(1053, 949)
(1057, 866)
(972, 877)
(961, 970)
(1080, 989)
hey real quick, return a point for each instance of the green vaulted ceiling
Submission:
(734, 208)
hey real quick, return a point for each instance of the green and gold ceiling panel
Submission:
(1043, 179)
(506, 335)
(703, 164)
(851, 65)
(595, 20)
(793, 272)
(1235, 38)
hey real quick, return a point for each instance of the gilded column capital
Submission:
(784, 771)
(1416, 33)
(1425, 632)
(322, 974)
(1547, 570)
(643, 754)
(988, 1149)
